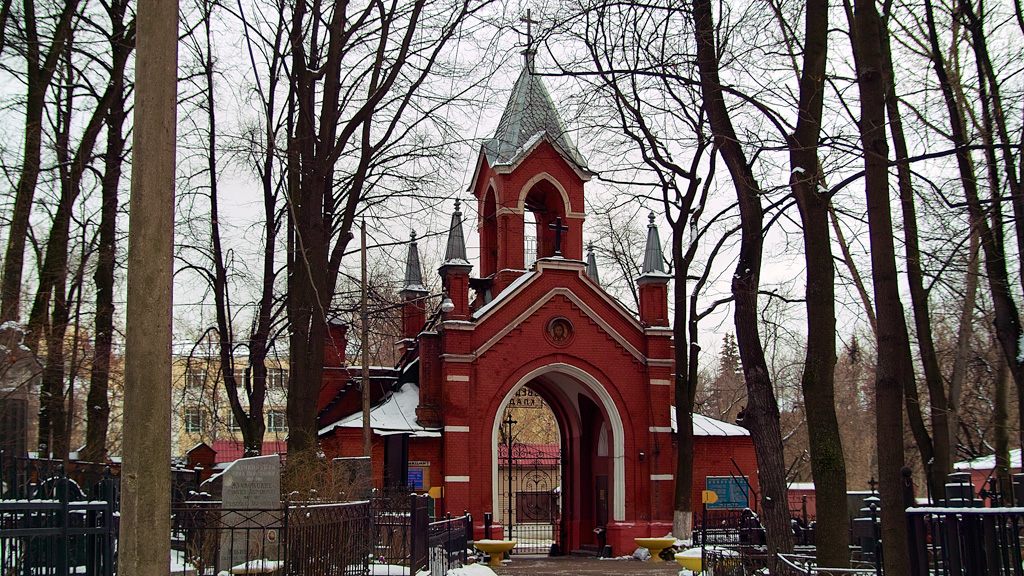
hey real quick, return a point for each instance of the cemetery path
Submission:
(570, 565)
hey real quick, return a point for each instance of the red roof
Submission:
(530, 454)
(231, 450)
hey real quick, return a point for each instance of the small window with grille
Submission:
(195, 420)
(276, 421)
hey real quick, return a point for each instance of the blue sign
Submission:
(416, 478)
(732, 492)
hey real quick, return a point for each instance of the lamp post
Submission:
(364, 336)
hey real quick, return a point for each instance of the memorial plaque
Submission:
(251, 484)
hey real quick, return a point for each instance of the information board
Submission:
(416, 478)
(732, 492)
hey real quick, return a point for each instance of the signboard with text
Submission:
(416, 478)
(733, 492)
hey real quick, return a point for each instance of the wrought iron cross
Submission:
(558, 227)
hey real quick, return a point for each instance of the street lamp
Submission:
(446, 306)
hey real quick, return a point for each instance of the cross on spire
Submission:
(558, 227)
(530, 51)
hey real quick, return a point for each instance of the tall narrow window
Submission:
(529, 238)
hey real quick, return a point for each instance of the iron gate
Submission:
(530, 481)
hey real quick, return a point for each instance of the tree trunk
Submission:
(98, 404)
(762, 411)
(937, 451)
(1007, 319)
(38, 78)
(893, 344)
(828, 464)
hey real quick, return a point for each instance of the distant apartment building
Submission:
(202, 412)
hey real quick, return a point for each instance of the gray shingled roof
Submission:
(455, 251)
(413, 271)
(654, 262)
(529, 112)
(591, 269)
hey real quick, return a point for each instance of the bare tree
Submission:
(893, 369)
(762, 414)
(122, 42)
(42, 56)
(357, 104)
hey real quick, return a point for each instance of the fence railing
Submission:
(398, 518)
(804, 565)
(966, 541)
(447, 543)
(60, 531)
(297, 539)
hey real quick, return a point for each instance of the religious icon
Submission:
(560, 330)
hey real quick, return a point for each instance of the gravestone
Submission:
(20, 373)
(251, 484)
(353, 478)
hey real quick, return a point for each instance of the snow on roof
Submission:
(988, 462)
(479, 313)
(704, 426)
(801, 486)
(396, 414)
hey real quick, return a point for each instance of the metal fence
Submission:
(804, 565)
(447, 543)
(400, 520)
(59, 531)
(966, 541)
(295, 540)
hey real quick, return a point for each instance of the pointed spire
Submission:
(530, 114)
(654, 262)
(455, 253)
(413, 271)
(591, 269)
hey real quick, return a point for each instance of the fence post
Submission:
(64, 548)
(109, 523)
(419, 534)
(915, 529)
(467, 531)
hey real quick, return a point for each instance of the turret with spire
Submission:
(455, 268)
(529, 165)
(653, 280)
(413, 291)
(591, 269)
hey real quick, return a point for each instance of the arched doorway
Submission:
(530, 473)
(570, 503)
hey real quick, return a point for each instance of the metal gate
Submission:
(530, 488)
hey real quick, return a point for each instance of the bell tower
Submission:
(529, 187)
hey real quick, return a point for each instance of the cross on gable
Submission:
(558, 227)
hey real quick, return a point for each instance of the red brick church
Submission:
(537, 321)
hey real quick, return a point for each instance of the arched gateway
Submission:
(546, 326)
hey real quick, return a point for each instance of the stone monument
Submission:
(253, 517)
(20, 372)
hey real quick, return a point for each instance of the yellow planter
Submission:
(496, 549)
(655, 545)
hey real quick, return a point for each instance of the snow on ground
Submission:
(179, 565)
(472, 570)
(388, 570)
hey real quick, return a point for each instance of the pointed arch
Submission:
(489, 232)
